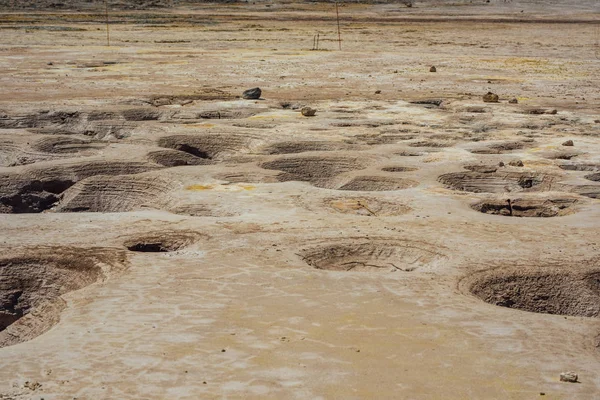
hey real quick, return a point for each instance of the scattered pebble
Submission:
(501, 164)
(378, 92)
(568, 143)
(513, 101)
(433, 69)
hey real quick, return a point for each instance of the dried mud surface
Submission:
(162, 237)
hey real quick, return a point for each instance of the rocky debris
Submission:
(568, 143)
(516, 163)
(513, 101)
(378, 92)
(252, 94)
(540, 111)
(428, 102)
(433, 69)
(32, 385)
(308, 112)
(501, 164)
(286, 105)
(569, 377)
(490, 97)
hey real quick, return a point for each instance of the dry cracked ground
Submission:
(162, 237)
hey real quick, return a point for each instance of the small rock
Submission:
(378, 92)
(252, 94)
(516, 163)
(161, 101)
(501, 164)
(568, 377)
(568, 143)
(513, 101)
(490, 97)
(597, 121)
(308, 112)
(553, 112)
(50, 63)
(433, 69)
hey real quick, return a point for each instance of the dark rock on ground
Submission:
(252, 94)
(308, 112)
(490, 97)
(516, 163)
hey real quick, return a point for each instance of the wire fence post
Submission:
(107, 28)
(337, 12)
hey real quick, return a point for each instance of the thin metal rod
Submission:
(337, 12)
(107, 28)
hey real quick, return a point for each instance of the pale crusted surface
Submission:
(275, 256)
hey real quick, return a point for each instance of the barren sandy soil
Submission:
(163, 237)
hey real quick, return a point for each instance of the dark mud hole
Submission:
(547, 292)
(526, 207)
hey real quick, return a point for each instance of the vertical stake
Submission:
(338, 24)
(107, 29)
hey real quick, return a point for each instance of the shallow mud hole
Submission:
(366, 206)
(40, 189)
(206, 147)
(497, 182)
(526, 207)
(313, 169)
(381, 256)
(549, 292)
(31, 285)
(304, 146)
(377, 184)
(33, 196)
(114, 194)
(399, 168)
(162, 242)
